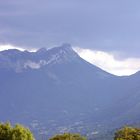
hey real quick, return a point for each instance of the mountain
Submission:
(55, 90)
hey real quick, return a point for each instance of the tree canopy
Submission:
(68, 136)
(127, 133)
(18, 132)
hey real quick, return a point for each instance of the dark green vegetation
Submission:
(127, 133)
(68, 136)
(18, 132)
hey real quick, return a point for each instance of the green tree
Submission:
(18, 132)
(127, 133)
(5, 131)
(68, 136)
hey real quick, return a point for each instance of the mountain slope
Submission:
(57, 91)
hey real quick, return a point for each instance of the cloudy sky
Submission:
(104, 32)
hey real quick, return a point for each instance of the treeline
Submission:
(19, 132)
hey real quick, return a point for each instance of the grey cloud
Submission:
(101, 25)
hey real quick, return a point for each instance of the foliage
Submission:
(127, 133)
(68, 136)
(18, 132)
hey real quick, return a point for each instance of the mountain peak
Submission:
(61, 54)
(20, 61)
(41, 50)
(64, 51)
(66, 46)
(10, 51)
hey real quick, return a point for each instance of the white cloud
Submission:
(34, 65)
(9, 46)
(107, 62)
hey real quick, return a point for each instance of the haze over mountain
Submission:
(55, 89)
